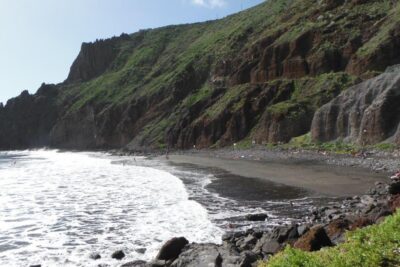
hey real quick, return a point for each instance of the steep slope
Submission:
(26, 121)
(259, 74)
(367, 113)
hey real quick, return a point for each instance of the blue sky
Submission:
(39, 39)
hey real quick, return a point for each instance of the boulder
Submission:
(336, 229)
(138, 263)
(247, 242)
(158, 263)
(382, 214)
(256, 217)
(394, 203)
(249, 258)
(204, 255)
(281, 233)
(118, 255)
(302, 229)
(95, 256)
(360, 222)
(313, 240)
(172, 248)
(141, 250)
(293, 233)
(394, 188)
(271, 246)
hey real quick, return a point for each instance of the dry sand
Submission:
(319, 178)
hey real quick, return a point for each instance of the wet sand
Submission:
(321, 179)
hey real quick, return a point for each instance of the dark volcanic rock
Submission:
(382, 214)
(367, 113)
(141, 250)
(249, 258)
(118, 255)
(204, 255)
(172, 248)
(271, 246)
(361, 222)
(336, 230)
(135, 264)
(158, 263)
(256, 217)
(95, 256)
(26, 120)
(302, 229)
(94, 59)
(313, 240)
(394, 188)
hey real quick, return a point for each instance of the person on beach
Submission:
(166, 153)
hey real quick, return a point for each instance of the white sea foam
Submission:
(57, 208)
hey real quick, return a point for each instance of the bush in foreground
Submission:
(376, 245)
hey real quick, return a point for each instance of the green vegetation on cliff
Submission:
(377, 245)
(260, 73)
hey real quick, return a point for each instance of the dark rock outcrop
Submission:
(367, 113)
(137, 263)
(203, 255)
(94, 59)
(394, 203)
(336, 230)
(118, 255)
(26, 121)
(386, 54)
(256, 217)
(313, 240)
(95, 256)
(326, 226)
(172, 248)
(394, 188)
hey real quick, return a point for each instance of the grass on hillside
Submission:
(338, 146)
(156, 63)
(373, 246)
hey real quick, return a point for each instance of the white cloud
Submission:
(209, 3)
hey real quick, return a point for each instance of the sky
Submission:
(39, 39)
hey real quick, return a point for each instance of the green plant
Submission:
(373, 246)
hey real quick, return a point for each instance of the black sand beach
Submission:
(313, 176)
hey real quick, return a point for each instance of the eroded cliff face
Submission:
(333, 39)
(259, 75)
(94, 59)
(26, 121)
(367, 113)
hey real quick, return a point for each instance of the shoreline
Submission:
(247, 247)
(321, 227)
(329, 175)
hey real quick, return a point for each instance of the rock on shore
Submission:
(324, 227)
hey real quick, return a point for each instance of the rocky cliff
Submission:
(257, 75)
(94, 59)
(367, 113)
(26, 120)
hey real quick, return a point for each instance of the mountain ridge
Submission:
(257, 75)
